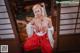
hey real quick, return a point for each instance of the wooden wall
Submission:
(69, 43)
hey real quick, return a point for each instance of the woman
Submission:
(40, 31)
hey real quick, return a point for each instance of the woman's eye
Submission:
(37, 11)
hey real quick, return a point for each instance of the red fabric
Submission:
(38, 41)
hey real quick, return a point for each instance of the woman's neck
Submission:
(40, 18)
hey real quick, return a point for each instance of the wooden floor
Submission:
(68, 52)
(55, 52)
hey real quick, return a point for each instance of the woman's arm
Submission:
(29, 28)
(50, 33)
(50, 26)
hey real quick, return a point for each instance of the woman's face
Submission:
(38, 12)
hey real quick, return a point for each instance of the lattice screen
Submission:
(5, 24)
(70, 18)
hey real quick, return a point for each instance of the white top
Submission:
(30, 30)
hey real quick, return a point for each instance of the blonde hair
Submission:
(38, 6)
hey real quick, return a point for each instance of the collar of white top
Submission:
(40, 33)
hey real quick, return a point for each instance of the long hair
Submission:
(42, 8)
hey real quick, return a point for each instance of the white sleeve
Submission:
(50, 36)
(29, 29)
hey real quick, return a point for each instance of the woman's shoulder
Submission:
(48, 19)
(32, 20)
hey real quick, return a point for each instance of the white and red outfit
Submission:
(38, 39)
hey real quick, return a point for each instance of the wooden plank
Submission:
(3, 15)
(77, 30)
(78, 25)
(71, 9)
(67, 21)
(2, 2)
(2, 8)
(2, 21)
(11, 36)
(66, 32)
(6, 31)
(67, 26)
(66, 16)
(5, 26)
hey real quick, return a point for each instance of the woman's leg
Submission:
(46, 47)
(31, 43)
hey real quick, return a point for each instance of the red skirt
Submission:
(36, 41)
